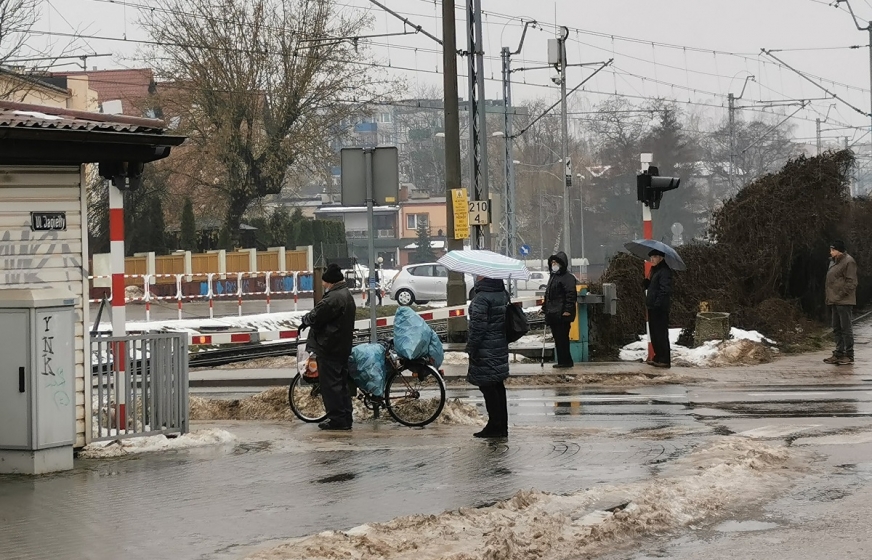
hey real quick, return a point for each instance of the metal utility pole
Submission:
(477, 118)
(370, 247)
(508, 116)
(817, 125)
(457, 326)
(731, 108)
(564, 149)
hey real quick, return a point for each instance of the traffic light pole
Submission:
(647, 233)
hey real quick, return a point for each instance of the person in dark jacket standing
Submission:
(560, 306)
(657, 301)
(488, 352)
(330, 339)
(841, 291)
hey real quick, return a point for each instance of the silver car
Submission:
(420, 283)
(538, 281)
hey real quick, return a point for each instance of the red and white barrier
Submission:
(363, 324)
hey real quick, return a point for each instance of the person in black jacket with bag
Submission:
(488, 352)
(560, 306)
(657, 301)
(330, 339)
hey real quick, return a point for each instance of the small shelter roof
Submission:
(33, 134)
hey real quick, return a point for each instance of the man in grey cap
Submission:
(841, 293)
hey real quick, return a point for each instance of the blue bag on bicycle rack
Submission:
(435, 350)
(413, 337)
(411, 334)
(371, 371)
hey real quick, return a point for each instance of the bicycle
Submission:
(414, 393)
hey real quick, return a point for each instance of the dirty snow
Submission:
(148, 444)
(534, 524)
(743, 347)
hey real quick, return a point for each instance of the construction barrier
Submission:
(215, 286)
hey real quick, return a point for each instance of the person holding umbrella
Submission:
(659, 292)
(487, 343)
(657, 300)
(488, 351)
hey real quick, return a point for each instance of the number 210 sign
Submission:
(479, 212)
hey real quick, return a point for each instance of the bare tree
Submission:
(17, 18)
(260, 87)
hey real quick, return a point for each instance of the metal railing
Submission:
(139, 385)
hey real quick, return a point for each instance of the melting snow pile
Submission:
(535, 524)
(120, 447)
(743, 348)
(272, 404)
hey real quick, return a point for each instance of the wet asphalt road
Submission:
(288, 479)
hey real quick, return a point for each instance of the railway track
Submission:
(242, 353)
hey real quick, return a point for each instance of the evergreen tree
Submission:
(158, 228)
(424, 252)
(188, 235)
(303, 233)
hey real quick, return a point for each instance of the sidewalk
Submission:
(785, 369)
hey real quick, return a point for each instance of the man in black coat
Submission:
(657, 301)
(560, 306)
(330, 339)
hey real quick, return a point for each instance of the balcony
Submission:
(363, 234)
(365, 127)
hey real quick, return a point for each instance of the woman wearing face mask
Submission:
(560, 306)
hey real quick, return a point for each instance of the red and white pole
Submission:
(647, 233)
(119, 315)
(296, 289)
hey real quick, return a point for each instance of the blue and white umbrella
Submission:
(641, 248)
(480, 262)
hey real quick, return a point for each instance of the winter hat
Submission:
(655, 252)
(838, 246)
(333, 274)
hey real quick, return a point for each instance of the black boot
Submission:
(495, 402)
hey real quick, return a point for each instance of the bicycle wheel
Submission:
(305, 400)
(414, 401)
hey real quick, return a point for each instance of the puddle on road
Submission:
(341, 477)
(745, 526)
(252, 447)
(789, 409)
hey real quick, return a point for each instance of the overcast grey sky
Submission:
(694, 51)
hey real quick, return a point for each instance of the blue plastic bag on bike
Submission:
(413, 337)
(371, 370)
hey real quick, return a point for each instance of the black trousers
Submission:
(497, 407)
(843, 331)
(333, 378)
(561, 342)
(658, 324)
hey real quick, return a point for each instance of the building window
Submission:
(414, 220)
(385, 118)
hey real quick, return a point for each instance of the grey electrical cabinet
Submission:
(37, 380)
